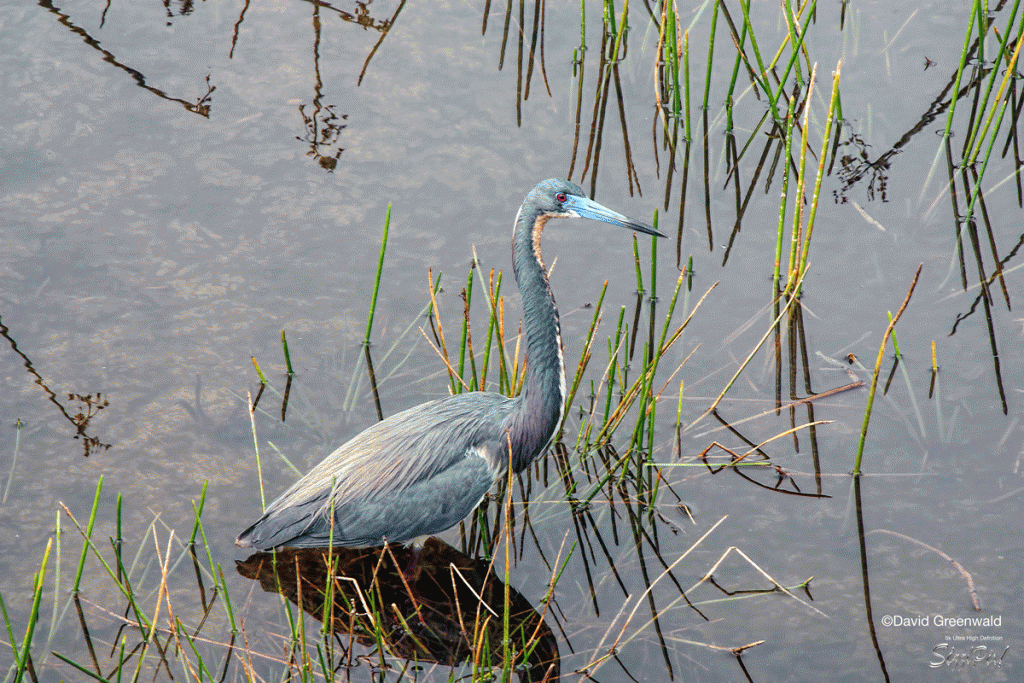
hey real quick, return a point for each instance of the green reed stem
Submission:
(999, 98)
(668, 314)
(761, 71)
(613, 359)
(780, 235)
(636, 264)
(638, 389)
(87, 672)
(583, 27)
(55, 617)
(787, 8)
(11, 640)
(609, 473)
(465, 329)
(380, 269)
(801, 179)
(711, 54)
(976, 139)
(21, 664)
(224, 596)
(287, 356)
(645, 379)
(976, 192)
(794, 57)
(263, 379)
(735, 76)
(256, 449)
(878, 367)
(495, 312)
(959, 74)
(670, 45)
(686, 81)
(654, 261)
(492, 326)
(200, 664)
(679, 408)
(88, 535)
(672, 31)
(833, 106)
(753, 135)
(198, 510)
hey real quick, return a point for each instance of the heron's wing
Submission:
(422, 509)
(417, 472)
(407, 448)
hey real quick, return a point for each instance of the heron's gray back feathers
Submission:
(416, 473)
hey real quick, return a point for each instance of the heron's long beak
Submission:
(588, 208)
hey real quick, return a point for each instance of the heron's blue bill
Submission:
(588, 208)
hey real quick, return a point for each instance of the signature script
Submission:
(945, 654)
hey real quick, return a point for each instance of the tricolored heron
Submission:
(425, 469)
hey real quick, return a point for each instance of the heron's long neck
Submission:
(539, 406)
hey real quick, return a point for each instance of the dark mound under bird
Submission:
(425, 469)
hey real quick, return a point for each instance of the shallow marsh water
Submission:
(180, 183)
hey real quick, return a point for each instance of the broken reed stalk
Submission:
(963, 572)
(878, 367)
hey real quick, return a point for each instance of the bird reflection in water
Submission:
(449, 607)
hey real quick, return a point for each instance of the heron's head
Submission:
(557, 198)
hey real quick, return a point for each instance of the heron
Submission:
(423, 470)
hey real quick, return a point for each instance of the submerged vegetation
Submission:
(607, 506)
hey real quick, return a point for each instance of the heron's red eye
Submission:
(561, 197)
